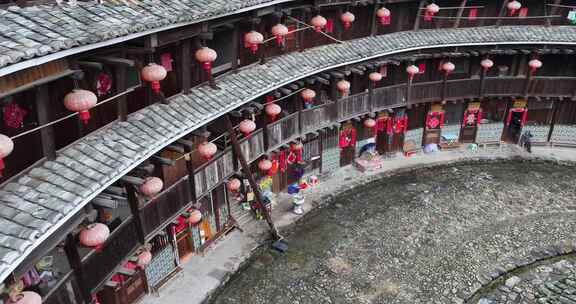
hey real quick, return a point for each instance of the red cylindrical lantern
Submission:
(81, 101)
(448, 67)
(195, 217)
(265, 165)
(273, 110)
(206, 56)
(154, 73)
(233, 185)
(144, 258)
(343, 87)
(384, 15)
(94, 235)
(347, 19)
(375, 77)
(534, 65)
(6, 147)
(151, 186)
(487, 64)
(513, 7)
(207, 150)
(431, 10)
(280, 31)
(412, 70)
(247, 126)
(25, 297)
(369, 123)
(308, 95)
(252, 40)
(318, 22)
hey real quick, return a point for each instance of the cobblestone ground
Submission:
(423, 236)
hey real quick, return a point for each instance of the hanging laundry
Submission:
(13, 115)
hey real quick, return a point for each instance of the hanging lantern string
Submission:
(311, 27)
(69, 116)
(455, 7)
(560, 5)
(496, 18)
(285, 97)
(290, 32)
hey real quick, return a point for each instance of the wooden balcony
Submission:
(353, 106)
(99, 265)
(283, 131)
(389, 97)
(66, 291)
(318, 117)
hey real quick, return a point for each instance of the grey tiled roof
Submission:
(35, 205)
(37, 31)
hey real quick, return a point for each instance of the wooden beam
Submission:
(251, 180)
(186, 67)
(76, 264)
(116, 61)
(40, 82)
(418, 18)
(122, 107)
(135, 209)
(502, 13)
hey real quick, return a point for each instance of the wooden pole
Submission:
(460, 13)
(251, 180)
(120, 72)
(46, 133)
(482, 82)
(502, 12)
(186, 68)
(418, 18)
(134, 208)
(76, 264)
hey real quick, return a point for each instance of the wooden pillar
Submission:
(135, 209)
(190, 169)
(553, 10)
(186, 68)
(43, 112)
(120, 73)
(460, 13)
(251, 180)
(373, 21)
(301, 34)
(482, 82)
(444, 87)
(502, 13)
(418, 18)
(76, 264)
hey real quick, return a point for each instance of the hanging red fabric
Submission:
(347, 138)
(282, 161)
(400, 124)
(329, 28)
(472, 14)
(274, 169)
(421, 68)
(13, 115)
(427, 16)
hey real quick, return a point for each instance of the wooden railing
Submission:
(66, 291)
(389, 97)
(283, 131)
(318, 117)
(98, 266)
(552, 86)
(163, 207)
(504, 86)
(253, 146)
(215, 171)
(353, 106)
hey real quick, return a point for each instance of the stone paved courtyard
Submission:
(423, 236)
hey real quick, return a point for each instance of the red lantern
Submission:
(265, 165)
(252, 40)
(247, 126)
(369, 123)
(144, 258)
(448, 67)
(81, 101)
(375, 77)
(6, 147)
(487, 64)
(206, 56)
(431, 10)
(513, 7)
(318, 23)
(207, 150)
(94, 235)
(195, 217)
(343, 87)
(273, 110)
(234, 185)
(154, 73)
(412, 70)
(151, 186)
(308, 96)
(280, 31)
(347, 19)
(384, 15)
(534, 65)
(25, 297)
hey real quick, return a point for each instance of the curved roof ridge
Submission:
(88, 161)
